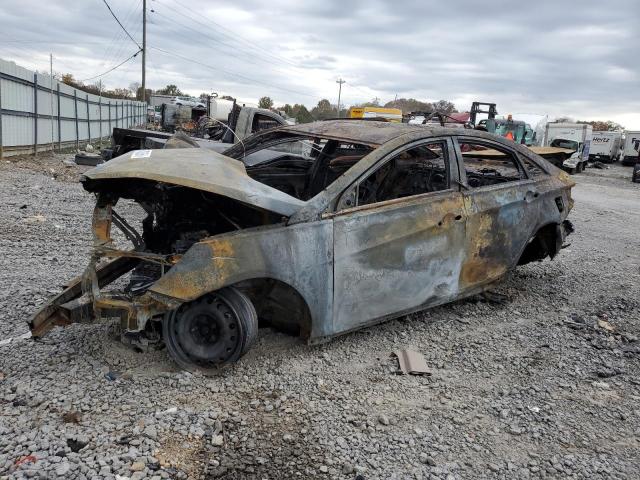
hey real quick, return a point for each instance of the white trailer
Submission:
(574, 136)
(219, 109)
(605, 146)
(631, 148)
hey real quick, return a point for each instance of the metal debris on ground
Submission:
(494, 297)
(90, 159)
(605, 325)
(71, 417)
(599, 165)
(412, 362)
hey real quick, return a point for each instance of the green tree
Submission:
(324, 110)
(444, 106)
(67, 78)
(170, 89)
(302, 115)
(408, 105)
(265, 102)
(606, 126)
(148, 91)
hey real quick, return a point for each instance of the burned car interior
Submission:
(303, 167)
(319, 162)
(267, 231)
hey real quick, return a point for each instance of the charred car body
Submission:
(321, 228)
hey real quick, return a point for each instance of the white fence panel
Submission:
(32, 107)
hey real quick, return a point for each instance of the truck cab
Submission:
(631, 148)
(574, 136)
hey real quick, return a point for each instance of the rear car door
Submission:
(502, 209)
(399, 235)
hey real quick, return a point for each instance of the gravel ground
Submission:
(544, 385)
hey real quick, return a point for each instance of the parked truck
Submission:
(605, 147)
(572, 136)
(631, 148)
(214, 134)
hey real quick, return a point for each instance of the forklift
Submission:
(515, 130)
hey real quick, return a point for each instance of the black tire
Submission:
(214, 330)
(635, 178)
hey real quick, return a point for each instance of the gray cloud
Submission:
(554, 57)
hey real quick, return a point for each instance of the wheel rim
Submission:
(205, 333)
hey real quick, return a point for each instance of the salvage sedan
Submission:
(318, 229)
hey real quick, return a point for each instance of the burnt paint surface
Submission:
(500, 221)
(397, 257)
(298, 255)
(390, 258)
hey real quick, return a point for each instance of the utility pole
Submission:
(144, 50)
(340, 82)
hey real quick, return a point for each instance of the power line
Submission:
(234, 35)
(119, 37)
(122, 26)
(112, 69)
(135, 31)
(237, 75)
(49, 42)
(201, 34)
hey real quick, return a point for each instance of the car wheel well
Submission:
(279, 305)
(542, 245)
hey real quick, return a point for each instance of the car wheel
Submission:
(635, 178)
(213, 330)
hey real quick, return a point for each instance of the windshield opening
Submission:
(301, 166)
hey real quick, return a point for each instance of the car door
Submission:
(502, 209)
(398, 252)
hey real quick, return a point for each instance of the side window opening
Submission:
(263, 122)
(414, 171)
(488, 165)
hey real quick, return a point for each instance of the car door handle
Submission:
(531, 195)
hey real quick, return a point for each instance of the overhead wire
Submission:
(234, 36)
(122, 26)
(201, 34)
(117, 46)
(231, 47)
(237, 75)
(113, 68)
(50, 42)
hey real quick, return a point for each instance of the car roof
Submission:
(361, 131)
(374, 133)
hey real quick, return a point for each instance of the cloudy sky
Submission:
(578, 58)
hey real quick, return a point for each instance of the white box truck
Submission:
(605, 147)
(574, 136)
(631, 148)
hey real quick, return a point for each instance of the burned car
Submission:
(319, 229)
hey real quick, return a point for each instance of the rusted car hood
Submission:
(200, 169)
